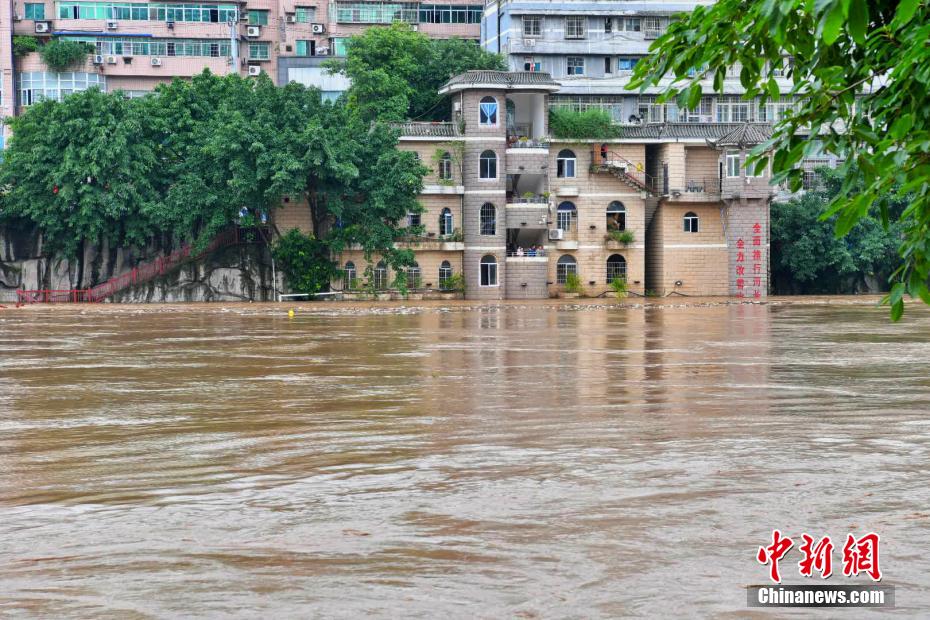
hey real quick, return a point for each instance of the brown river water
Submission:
(496, 462)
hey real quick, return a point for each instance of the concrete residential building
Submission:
(516, 210)
(141, 44)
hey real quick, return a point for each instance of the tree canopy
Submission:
(396, 72)
(860, 71)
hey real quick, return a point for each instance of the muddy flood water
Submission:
(497, 462)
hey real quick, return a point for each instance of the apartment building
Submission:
(141, 44)
(668, 207)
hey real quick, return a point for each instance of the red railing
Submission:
(142, 273)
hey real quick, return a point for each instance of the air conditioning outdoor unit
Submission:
(98, 59)
(17, 18)
(255, 70)
(414, 27)
(111, 60)
(43, 27)
(290, 18)
(318, 28)
(529, 42)
(556, 234)
(156, 62)
(253, 32)
(112, 25)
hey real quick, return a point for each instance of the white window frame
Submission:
(691, 223)
(532, 25)
(496, 113)
(578, 28)
(568, 65)
(565, 166)
(562, 269)
(481, 268)
(733, 164)
(481, 160)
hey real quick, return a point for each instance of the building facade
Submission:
(141, 44)
(670, 208)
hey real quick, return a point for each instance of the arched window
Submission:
(488, 219)
(381, 275)
(616, 216)
(565, 265)
(488, 271)
(446, 222)
(565, 216)
(565, 164)
(691, 222)
(349, 275)
(445, 167)
(487, 165)
(445, 276)
(413, 275)
(487, 111)
(616, 268)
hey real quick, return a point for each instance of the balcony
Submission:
(528, 215)
(743, 187)
(699, 190)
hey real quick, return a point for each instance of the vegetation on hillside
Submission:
(863, 66)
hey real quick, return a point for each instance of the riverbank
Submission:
(408, 306)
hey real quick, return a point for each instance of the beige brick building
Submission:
(668, 207)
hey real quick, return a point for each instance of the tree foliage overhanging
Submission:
(184, 162)
(397, 72)
(861, 71)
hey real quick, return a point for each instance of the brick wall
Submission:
(742, 218)
(526, 278)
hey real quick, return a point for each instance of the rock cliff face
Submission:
(236, 273)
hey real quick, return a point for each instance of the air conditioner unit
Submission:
(253, 32)
(111, 60)
(290, 18)
(318, 28)
(112, 25)
(255, 70)
(414, 27)
(156, 62)
(43, 27)
(98, 59)
(529, 42)
(17, 18)
(556, 234)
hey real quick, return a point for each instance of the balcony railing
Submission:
(709, 185)
(526, 253)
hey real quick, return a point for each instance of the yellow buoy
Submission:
(290, 314)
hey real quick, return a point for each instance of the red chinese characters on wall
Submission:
(749, 283)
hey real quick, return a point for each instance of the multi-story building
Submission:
(141, 44)
(668, 207)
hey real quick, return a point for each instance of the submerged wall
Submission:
(237, 273)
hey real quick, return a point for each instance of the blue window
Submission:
(626, 64)
(35, 11)
(488, 111)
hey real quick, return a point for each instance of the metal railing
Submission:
(703, 185)
(526, 253)
(620, 164)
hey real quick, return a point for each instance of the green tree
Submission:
(397, 72)
(861, 72)
(305, 262)
(61, 54)
(23, 45)
(808, 258)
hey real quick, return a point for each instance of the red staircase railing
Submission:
(139, 274)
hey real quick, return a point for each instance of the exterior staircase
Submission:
(629, 174)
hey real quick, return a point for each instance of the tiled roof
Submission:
(745, 134)
(425, 129)
(723, 134)
(500, 79)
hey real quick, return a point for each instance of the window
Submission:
(339, 45)
(487, 111)
(161, 12)
(35, 11)
(575, 27)
(375, 12)
(413, 275)
(349, 275)
(608, 25)
(445, 276)
(616, 268)
(531, 64)
(565, 265)
(575, 65)
(532, 25)
(565, 164)
(488, 271)
(487, 165)
(733, 110)
(652, 27)
(732, 163)
(36, 86)
(305, 14)
(626, 64)
(691, 222)
(616, 216)
(488, 219)
(565, 216)
(133, 46)
(258, 18)
(445, 167)
(751, 170)
(381, 276)
(306, 48)
(632, 24)
(446, 223)
(257, 51)
(413, 219)
(449, 14)
(608, 66)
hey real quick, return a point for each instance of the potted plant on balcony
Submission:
(623, 237)
(618, 286)
(528, 196)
